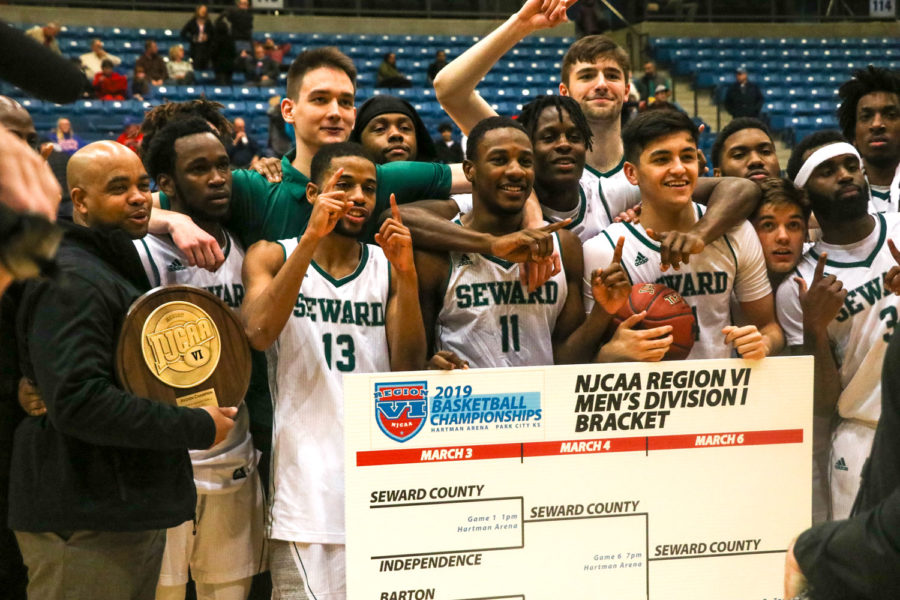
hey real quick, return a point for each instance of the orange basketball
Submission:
(664, 306)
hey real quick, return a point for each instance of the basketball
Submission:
(664, 306)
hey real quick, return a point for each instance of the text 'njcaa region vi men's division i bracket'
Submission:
(680, 480)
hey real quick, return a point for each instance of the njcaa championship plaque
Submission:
(183, 346)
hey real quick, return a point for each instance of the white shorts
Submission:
(313, 571)
(850, 447)
(229, 541)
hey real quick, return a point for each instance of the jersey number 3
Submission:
(343, 343)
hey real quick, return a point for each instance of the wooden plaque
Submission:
(183, 346)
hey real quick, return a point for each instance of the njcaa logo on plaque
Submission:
(401, 409)
(181, 344)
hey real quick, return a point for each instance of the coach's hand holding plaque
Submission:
(183, 346)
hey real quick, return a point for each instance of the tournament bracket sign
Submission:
(666, 481)
(182, 345)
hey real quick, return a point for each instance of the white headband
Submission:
(821, 155)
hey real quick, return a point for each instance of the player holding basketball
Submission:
(845, 308)
(661, 159)
(223, 545)
(325, 304)
(474, 304)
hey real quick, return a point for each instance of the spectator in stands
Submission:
(109, 85)
(243, 151)
(744, 148)
(391, 130)
(743, 99)
(279, 142)
(448, 150)
(440, 61)
(140, 85)
(198, 32)
(64, 139)
(181, 72)
(223, 50)
(258, 69)
(153, 63)
(241, 18)
(275, 51)
(389, 75)
(46, 35)
(91, 62)
(131, 136)
(662, 96)
(869, 116)
(648, 82)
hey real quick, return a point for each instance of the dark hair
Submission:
(328, 56)
(778, 191)
(485, 125)
(738, 124)
(591, 47)
(106, 63)
(159, 116)
(652, 125)
(532, 111)
(813, 140)
(147, 44)
(864, 81)
(327, 153)
(159, 157)
(445, 126)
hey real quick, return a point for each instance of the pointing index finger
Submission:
(894, 252)
(555, 226)
(820, 267)
(617, 253)
(332, 181)
(395, 210)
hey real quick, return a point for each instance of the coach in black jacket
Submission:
(96, 481)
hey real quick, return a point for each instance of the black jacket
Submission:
(743, 101)
(101, 459)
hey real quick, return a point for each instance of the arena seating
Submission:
(530, 69)
(798, 76)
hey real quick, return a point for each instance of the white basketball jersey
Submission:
(602, 196)
(860, 332)
(880, 199)
(337, 327)
(229, 463)
(488, 317)
(732, 264)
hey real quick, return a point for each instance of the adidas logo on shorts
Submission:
(640, 259)
(841, 464)
(464, 260)
(176, 266)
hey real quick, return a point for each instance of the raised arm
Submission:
(403, 320)
(455, 85)
(272, 281)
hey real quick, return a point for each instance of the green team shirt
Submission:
(261, 210)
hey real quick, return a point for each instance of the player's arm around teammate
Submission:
(272, 281)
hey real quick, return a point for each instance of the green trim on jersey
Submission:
(867, 262)
(506, 264)
(640, 236)
(885, 195)
(733, 253)
(582, 210)
(283, 250)
(363, 259)
(152, 262)
(609, 173)
(227, 248)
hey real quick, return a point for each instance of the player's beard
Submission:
(835, 209)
